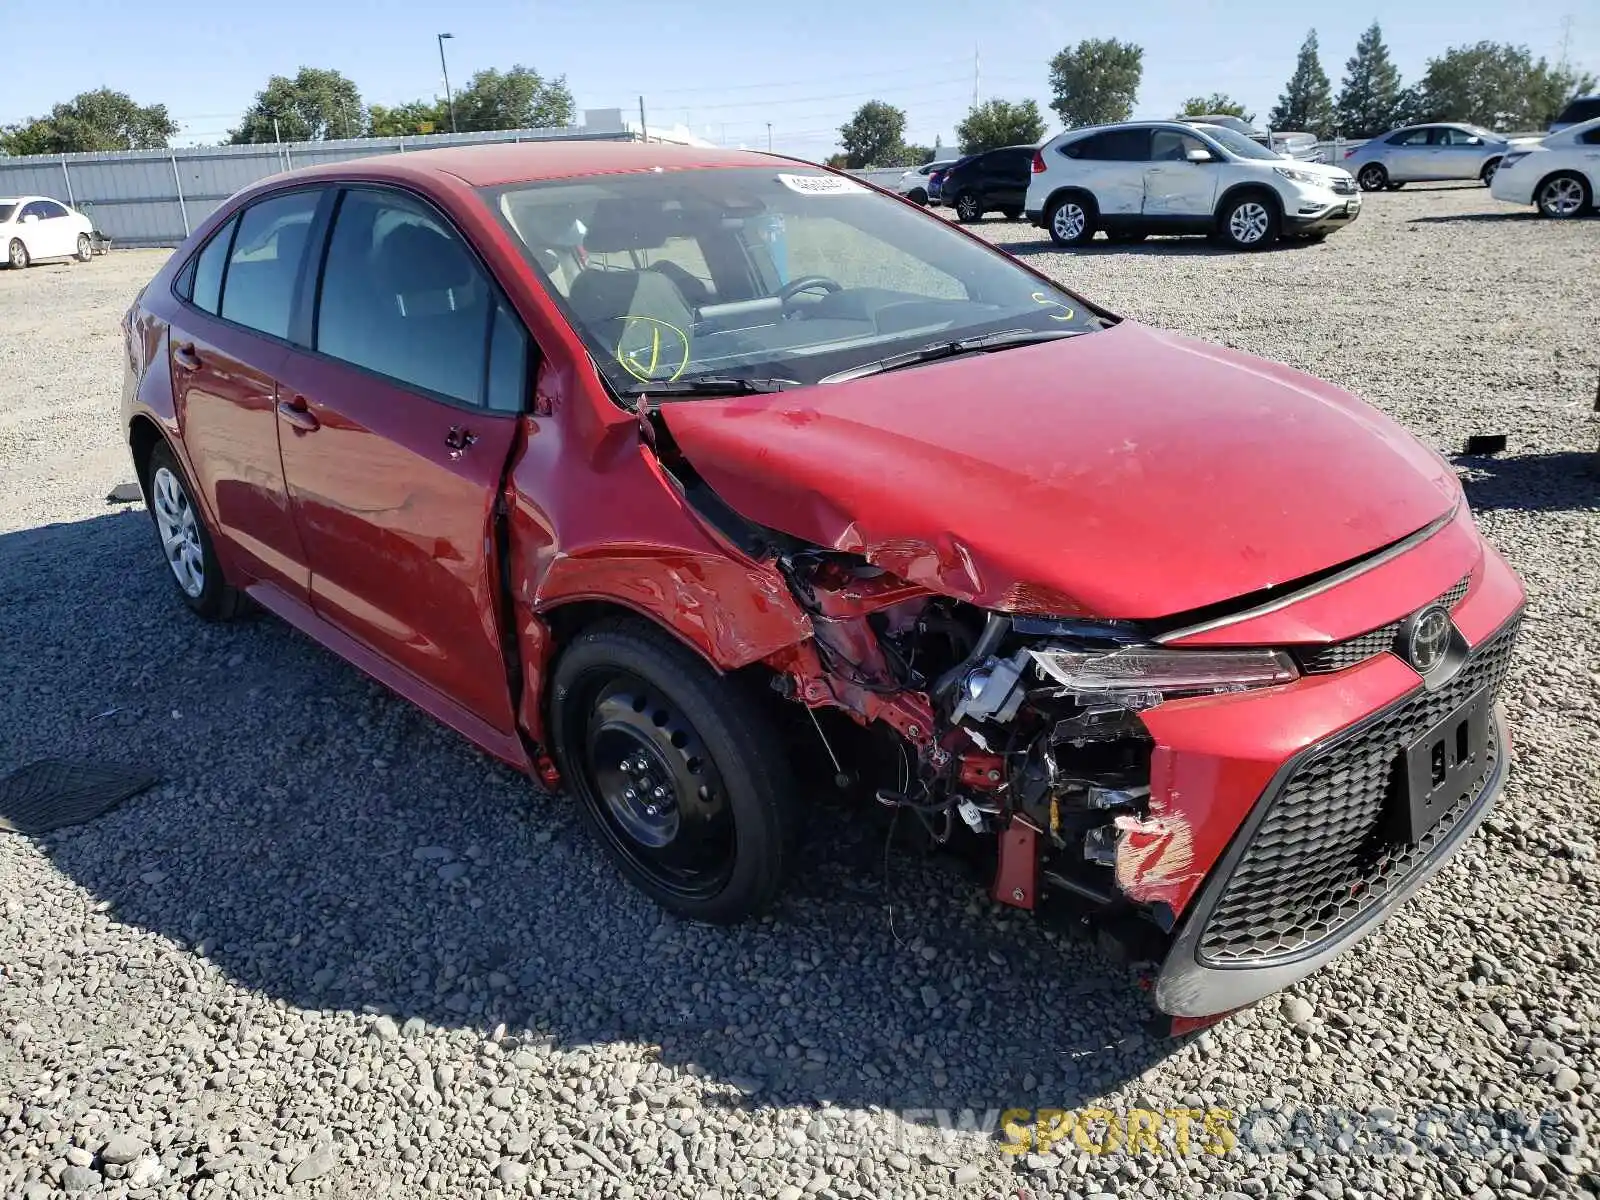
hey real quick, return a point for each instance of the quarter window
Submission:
(402, 295)
(265, 262)
(206, 290)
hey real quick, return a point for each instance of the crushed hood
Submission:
(1127, 473)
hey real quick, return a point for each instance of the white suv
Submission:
(1147, 177)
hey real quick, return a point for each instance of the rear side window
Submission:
(1580, 111)
(264, 263)
(1117, 145)
(403, 296)
(205, 289)
(1410, 137)
(1592, 138)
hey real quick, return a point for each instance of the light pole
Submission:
(448, 98)
(769, 137)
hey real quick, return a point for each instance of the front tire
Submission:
(677, 772)
(17, 255)
(85, 248)
(1563, 196)
(1011, 214)
(185, 541)
(969, 208)
(1251, 222)
(1070, 221)
(1486, 176)
(1373, 177)
(918, 196)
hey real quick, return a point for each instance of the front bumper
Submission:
(1312, 869)
(1314, 213)
(1513, 185)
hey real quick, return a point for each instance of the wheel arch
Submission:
(1083, 194)
(144, 435)
(1251, 188)
(1590, 183)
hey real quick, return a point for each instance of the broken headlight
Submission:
(1143, 676)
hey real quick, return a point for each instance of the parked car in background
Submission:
(914, 185)
(1559, 175)
(1145, 177)
(1294, 144)
(1224, 121)
(37, 228)
(1579, 110)
(1424, 154)
(994, 181)
(1200, 641)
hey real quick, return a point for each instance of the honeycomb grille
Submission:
(1324, 853)
(1320, 660)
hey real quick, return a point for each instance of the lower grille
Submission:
(1324, 854)
(1320, 660)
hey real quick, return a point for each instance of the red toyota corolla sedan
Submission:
(649, 469)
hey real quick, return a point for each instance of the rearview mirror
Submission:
(1199, 156)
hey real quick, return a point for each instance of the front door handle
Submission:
(297, 413)
(458, 439)
(184, 355)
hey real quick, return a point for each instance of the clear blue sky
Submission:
(729, 68)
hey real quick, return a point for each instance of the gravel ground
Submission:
(337, 952)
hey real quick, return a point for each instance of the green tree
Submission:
(1307, 100)
(1096, 81)
(875, 136)
(1370, 99)
(1496, 85)
(520, 98)
(999, 123)
(915, 156)
(409, 119)
(1216, 105)
(97, 120)
(316, 104)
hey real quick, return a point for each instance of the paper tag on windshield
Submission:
(821, 185)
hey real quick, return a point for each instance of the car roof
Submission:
(498, 163)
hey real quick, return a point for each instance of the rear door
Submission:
(1114, 164)
(226, 348)
(397, 420)
(1174, 186)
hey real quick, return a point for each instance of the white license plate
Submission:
(1352, 207)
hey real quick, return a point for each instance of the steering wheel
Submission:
(808, 283)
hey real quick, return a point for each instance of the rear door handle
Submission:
(184, 355)
(297, 413)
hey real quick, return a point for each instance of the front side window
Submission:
(1410, 137)
(806, 274)
(403, 296)
(1240, 146)
(1168, 145)
(264, 263)
(49, 209)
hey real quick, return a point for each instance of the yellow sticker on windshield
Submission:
(652, 350)
(1047, 301)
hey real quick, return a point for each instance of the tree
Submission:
(1216, 105)
(1307, 100)
(316, 104)
(520, 98)
(875, 136)
(1370, 97)
(1096, 81)
(409, 119)
(1494, 84)
(1000, 123)
(915, 156)
(98, 120)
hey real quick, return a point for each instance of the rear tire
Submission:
(17, 255)
(1250, 222)
(85, 248)
(1373, 177)
(185, 541)
(677, 773)
(969, 208)
(1071, 221)
(1563, 196)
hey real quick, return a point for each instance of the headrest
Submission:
(416, 258)
(626, 224)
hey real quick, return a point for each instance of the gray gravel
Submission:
(339, 953)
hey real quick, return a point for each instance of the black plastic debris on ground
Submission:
(52, 794)
(125, 493)
(1485, 443)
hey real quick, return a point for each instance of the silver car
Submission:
(1423, 153)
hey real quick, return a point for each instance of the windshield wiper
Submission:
(706, 386)
(971, 345)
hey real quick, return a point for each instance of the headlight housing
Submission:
(1299, 176)
(1510, 157)
(1143, 676)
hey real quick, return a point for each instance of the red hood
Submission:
(1129, 473)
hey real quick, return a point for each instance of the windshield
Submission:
(1238, 144)
(765, 273)
(5, 212)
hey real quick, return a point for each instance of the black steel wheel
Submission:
(677, 772)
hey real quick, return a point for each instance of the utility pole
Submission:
(449, 98)
(644, 132)
(1566, 42)
(975, 75)
(769, 137)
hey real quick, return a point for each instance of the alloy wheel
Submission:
(1068, 220)
(1561, 197)
(967, 207)
(1248, 223)
(19, 254)
(1372, 177)
(180, 532)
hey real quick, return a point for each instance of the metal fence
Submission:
(155, 197)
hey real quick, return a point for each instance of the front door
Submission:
(1409, 156)
(395, 431)
(1458, 154)
(51, 235)
(1174, 187)
(1007, 173)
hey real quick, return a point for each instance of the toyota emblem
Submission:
(1428, 639)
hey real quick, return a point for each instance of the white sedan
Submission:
(1560, 175)
(33, 228)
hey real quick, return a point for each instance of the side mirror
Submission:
(30, 219)
(1200, 156)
